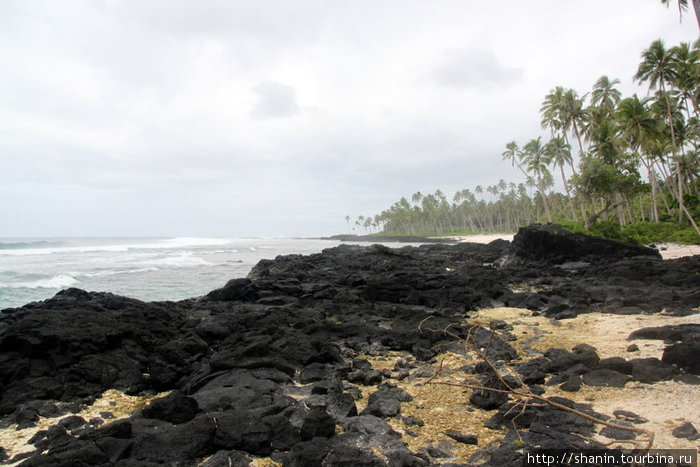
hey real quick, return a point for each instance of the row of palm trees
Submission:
(500, 207)
(599, 144)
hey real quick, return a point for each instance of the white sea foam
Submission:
(180, 260)
(122, 245)
(116, 272)
(58, 281)
(217, 252)
(182, 242)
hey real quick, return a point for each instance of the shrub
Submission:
(607, 229)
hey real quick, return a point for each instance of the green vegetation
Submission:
(628, 166)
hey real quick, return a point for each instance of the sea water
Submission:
(149, 269)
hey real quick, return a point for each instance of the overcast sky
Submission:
(233, 118)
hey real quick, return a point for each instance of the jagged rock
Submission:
(618, 433)
(235, 289)
(308, 454)
(553, 243)
(254, 431)
(317, 424)
(412, 421)
(386, 402)
(463, 437)
(586, 354)
(572, 384)
(675, 332)
(687, 431)
(534, 371)
(630, 417)
(618, 364)
(175, 408)
(369, 425)
(651, 370)
(486, 399)
(606, 378)
(185, 441)
(685, 355)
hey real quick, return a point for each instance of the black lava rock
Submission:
(175, 408)
(606, 378)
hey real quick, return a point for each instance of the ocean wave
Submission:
(217, 252)
(113, 245)
(181, 260)
(114, 272)
(59, 281)
(25, 245)
(183, 242)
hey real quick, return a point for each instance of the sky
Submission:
(281, 118)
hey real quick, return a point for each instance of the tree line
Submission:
(627, 159)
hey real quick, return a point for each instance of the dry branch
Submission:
(524, 396)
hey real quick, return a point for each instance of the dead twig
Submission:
(524, 397)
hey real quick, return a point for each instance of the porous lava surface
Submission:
(267, 366)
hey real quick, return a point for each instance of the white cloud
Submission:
(475, 68)
(274, 100)
(239, 117)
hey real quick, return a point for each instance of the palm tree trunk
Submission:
(578, 137)
(654, 189)
(568, 194)
(673, 150)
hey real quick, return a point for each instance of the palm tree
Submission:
(687, 65)
(513, 154)
(683, 6)
(535, 157)
(658, 67)
(605, 94)
(347, 219)
(572, 115)
(559, 153)
(551, 110)
(417, 197)
(638, 126)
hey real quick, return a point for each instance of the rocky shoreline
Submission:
(312, 360)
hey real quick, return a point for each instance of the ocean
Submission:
(149, 269)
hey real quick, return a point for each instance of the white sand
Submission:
(674, 250)
(482, 238)
(665, 404)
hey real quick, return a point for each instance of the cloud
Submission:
(274, 100)
(278, 117)
(474, 68)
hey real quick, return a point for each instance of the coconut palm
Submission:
(605, 94)
(687, 67)
(683, 6)
(572, 115)
(658, 67)
(638, 125)
(535, 158)
(513, 154)
(559, 154)
(551, 110)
